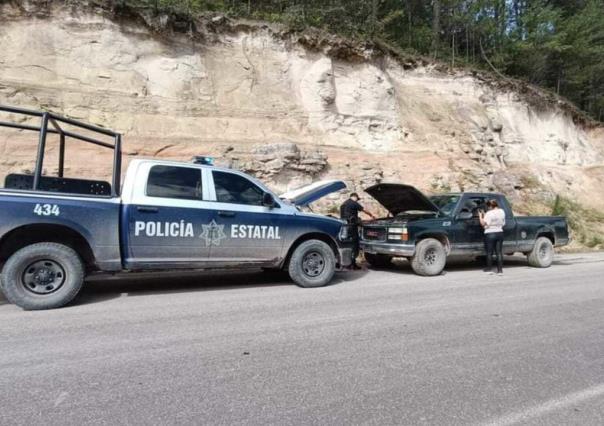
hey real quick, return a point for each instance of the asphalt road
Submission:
(377, 347)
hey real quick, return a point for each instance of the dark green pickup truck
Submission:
(428, 230)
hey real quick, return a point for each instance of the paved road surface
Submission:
(378, 347)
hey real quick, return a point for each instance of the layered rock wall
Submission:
(260, 99)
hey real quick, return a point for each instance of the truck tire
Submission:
(378, 260)
(312, 264)
(430, 258)
(542, 254)
(42, 276)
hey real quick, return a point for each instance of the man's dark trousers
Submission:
(354, 229)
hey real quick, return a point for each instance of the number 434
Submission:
(47, 210)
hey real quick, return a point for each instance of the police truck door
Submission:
(165, 219)
(243, 229)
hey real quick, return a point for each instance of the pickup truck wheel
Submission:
(312, 264)
(430, 258)
(542, 254)
(378, 260)
(42, 276)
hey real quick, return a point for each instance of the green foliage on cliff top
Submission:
(551, 43)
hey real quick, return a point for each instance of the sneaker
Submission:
(487, 271)
(500, 274)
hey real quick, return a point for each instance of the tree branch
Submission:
(484, 56)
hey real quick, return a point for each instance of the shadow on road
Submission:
(346, 276)
(102, 288)
(510, 262)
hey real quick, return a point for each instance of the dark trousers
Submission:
(354, 231)
(494, 245)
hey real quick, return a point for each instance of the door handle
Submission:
(226, 214)
(145, 209)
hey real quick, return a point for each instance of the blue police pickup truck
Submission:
(429, 230)
(55, 230)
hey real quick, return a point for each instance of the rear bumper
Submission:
(402, 250)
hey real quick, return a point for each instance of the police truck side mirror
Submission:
(268, 200)
(465, 215)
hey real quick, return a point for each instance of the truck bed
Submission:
(557, 224)
(96, 219)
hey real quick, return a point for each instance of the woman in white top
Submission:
(493, 222)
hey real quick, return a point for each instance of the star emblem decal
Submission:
(212, 233)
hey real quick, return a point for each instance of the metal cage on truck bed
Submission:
(39, 182)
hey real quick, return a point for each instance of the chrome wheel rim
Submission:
(430, 256)
(544, 251)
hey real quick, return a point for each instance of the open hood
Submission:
(398, 198)
(310, 193)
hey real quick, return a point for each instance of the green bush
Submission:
(582, 221)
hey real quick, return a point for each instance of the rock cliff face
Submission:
(287, 107)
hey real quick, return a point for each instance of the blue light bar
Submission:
(203, 160)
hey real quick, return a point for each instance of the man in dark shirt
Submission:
(349, 211)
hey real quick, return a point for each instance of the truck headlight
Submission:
(345, 233)
(398, 233)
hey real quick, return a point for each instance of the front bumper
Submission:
(392, 249)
